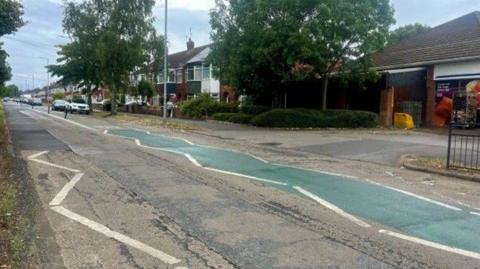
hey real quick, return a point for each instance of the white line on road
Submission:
(420, 197)
(332, 207)
(56, 166)
(105, 132)
(117, 236)
(316, 171)
(66, 189)
(475, 213)
(191, 159)
(137, 142)
(245, 176)
(258, 158)
(432, 244)
(34, 156)
(67, 120)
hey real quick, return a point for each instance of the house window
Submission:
(206, 72)
(171, 77)
(179, 76)
(198, 73)
(191, 74)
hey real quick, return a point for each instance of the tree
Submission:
(9, 91)
(11, 12)
(260, 46)
(77, 63)
(124, 26)
(145, 89)
(154, 56)
(58, 96)
(407, 31)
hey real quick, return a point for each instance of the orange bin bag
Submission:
(443, 112)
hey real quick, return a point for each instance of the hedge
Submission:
(308, 118)
(205, 105)
(254, 110)
(233, 117)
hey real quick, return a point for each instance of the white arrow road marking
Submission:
(115, 235)
(60, 197)
(332, 207)
(475, 213)
(432, 244)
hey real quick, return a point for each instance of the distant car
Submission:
(6, 99)
(59, 105)
(36, 101)
(78, 105)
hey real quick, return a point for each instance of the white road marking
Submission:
(317, 171)
(390, 173)
(245, 176)
(333, 207)
(137, 142)
(67, 120)
(432, 244)
(56, 166)
(65, 190)
(258, 158)
(117, 236)
(421, 197)
(105, 132)
(475, 213)
(34, 156)
(188, 142)
(191, 159)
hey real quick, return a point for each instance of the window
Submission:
(191, 74)
(179, 76)
(206, 72)
(171, 77)
(198, 73)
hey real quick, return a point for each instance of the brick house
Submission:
(190, 75)
(426, 70)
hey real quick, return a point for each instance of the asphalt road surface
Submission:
(119, 197)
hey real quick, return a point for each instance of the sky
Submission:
(34, 44)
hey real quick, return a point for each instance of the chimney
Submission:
(190, 44)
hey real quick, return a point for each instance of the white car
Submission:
(78, 105)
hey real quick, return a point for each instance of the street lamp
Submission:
(165, 63)
(48, 83)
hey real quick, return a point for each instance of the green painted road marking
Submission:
(414, 215)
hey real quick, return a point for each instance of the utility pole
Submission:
(165, 63)
(47, 93)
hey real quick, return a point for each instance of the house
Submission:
(191, 75)
(423, 72)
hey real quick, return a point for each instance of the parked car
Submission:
(6, 99)
(78, 105)
(36, 101)
(59, 105)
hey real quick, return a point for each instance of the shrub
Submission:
(58, 96)
(241, 118)
(308, 118)
(223, 116)
(203, 106)
(254, 110)
(233, 117)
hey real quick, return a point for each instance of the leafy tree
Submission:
(261, 46)
(11, 12)
(9, 91)
(145, 89)
(5, 70)
(77, 63)
(407, 31)
(124, 26)
(154, 55)
(58, 96)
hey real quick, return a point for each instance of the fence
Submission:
(463, 149)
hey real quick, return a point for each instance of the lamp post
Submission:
(48, 84)
(165, 63)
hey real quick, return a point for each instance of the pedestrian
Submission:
(66, 112)
(170, 109)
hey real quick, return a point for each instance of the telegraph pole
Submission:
(48, 84)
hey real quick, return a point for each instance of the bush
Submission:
(58, 96)
(223, 116)
(239, 118)
(307, 118)
(203, 106)
(254, 110)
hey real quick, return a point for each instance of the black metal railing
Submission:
(463, 148)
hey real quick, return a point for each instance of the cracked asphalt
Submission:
(206, 219)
